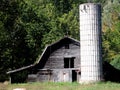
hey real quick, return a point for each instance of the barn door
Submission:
(74, 76)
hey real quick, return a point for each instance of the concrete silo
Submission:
(90, 42)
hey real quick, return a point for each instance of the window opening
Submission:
(67, 46)
(68, 62)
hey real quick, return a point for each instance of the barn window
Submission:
(67, 46)
(68, 62)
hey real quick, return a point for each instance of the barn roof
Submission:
(49, 49)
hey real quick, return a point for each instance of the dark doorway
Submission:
(74, 76)
(68, 62)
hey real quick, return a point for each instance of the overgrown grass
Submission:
(62, 86)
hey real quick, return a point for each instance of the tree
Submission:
(8, 15)
(111, 32)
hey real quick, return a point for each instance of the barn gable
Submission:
(66, 47)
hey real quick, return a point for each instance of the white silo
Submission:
(90, 42)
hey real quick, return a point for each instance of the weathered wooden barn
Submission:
(59, 62)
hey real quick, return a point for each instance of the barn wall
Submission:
(61, 76)
(56, 59)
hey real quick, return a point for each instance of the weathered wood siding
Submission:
(61, 76)
(56, 59)
(53, 69)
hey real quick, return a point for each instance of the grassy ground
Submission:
(62, 86)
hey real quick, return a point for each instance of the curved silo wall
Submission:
(90, 41)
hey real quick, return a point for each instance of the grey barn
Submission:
(59, 62)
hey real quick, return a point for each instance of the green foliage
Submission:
(19, 77)
(111, 31)
(111, 42)
(116, 62)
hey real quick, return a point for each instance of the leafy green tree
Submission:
(111, 32)
(6, 29)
